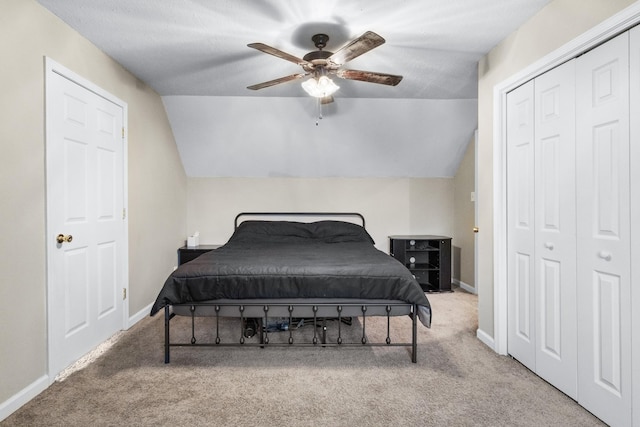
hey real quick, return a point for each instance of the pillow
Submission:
(339, 231)
(270, 231)
(289, 231)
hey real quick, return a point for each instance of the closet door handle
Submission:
(549, 245)
(604, 255)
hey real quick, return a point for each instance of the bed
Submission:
(281, 269)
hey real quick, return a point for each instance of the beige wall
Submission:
(389, 205)
(157, 183)
(464, 219)
(558, 23)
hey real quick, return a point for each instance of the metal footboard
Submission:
(316, 312)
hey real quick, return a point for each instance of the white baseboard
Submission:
(486, 339)
(465, 286)
(19, 399)
(14, 403)
(139, 316)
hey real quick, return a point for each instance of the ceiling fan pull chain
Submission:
(319, 103)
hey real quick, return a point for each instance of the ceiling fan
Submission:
(321, 63)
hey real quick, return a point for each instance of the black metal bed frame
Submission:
(250, 310)
(318, 310)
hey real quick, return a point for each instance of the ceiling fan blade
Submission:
(276, 52)
(356, 47)
(371, 77)
(276, 81)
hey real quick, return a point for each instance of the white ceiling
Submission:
(199, 47)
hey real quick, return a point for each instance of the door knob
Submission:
(475, 229)
(61, 238)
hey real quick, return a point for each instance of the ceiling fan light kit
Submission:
(320, 87)
(321, 63)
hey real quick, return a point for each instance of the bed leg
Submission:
(388, 340)
(414, 335)
(167, 319)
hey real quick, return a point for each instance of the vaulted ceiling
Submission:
(194, 54)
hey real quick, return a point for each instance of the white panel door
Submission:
(634, 159)
(604, 298)
(520, 224)
(85, 201)
(555, 228)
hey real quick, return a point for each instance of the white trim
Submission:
(145, 312)
(22, 397)
(464, 286)
(51, 67)
(486, 339)
(476, 217)
(125, 205)
(634, 206)
(500, 300)
(616, 24)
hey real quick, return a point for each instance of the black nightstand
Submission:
(186, 254)
(427, 257)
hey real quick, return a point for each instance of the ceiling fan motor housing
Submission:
(320, 40)
(316, 55)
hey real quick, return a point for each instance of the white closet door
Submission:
(634, 159)
(555, 228)
(520, 223)
(604, 304)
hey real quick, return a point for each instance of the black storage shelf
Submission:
(427, 257)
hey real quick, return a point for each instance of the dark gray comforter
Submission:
(280, 259)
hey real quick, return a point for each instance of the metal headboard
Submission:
(301, 214)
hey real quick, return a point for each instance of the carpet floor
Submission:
(458, 381)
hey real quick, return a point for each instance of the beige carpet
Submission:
(457, 381)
